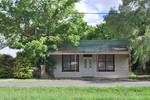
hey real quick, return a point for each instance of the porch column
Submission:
(43, 71)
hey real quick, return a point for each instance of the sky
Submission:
(85, 6)
(96, 6)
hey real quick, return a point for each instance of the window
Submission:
(90, 63)
(105, 63)
(70, 63)
(85, 63)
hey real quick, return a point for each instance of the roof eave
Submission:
(94, 53)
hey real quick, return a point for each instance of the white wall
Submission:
(121, 68)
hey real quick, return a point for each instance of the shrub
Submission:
(23, 68)
(23, 72)
(50, 63)
(6, 66)
(6, 72)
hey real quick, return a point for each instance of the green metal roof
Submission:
(101, 45)
(87, 46)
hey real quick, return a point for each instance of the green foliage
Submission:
(23, 68)
(50, 63)
(90, 33)
(100, 31)
(35, 49)
(25, 21)
(74, 39)
(2, 41)
(22, 72)
(6, 66)
(132, 23)
(6, 60)
(142, 48)
(39, 26)
(6, 71)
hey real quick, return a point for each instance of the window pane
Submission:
(66, 61)
(109, 67)
(73, 61)
(70, 63)
(109, 58)
(101, 58)
(109, 62)
(101, 66)
(101, 62)
(90, 63)
(85, 63)
(106, 63)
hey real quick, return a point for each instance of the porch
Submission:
(83, 65)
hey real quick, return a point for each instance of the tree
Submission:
(132, 22)
(38, 26)
(2, 41)
(97, 32)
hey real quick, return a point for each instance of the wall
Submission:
(121, 68)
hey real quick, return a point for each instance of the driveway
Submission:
(70, 82)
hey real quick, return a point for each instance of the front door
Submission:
(88, 68)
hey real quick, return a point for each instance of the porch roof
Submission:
(94, 47)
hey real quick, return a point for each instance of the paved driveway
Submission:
(69, 82)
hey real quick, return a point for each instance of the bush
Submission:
(50, 63)
(6, 72)
(6, 66)
(23, 68)
(23, 72)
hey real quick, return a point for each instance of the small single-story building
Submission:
(92, 58)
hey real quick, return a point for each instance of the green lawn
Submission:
(74, 93)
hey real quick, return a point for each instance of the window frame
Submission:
(105, 63)
(76, 57)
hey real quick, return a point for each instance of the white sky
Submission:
(96, 6)
(85, 6)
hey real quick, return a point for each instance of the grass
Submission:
(134, 76)
(74, 93)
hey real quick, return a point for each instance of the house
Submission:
(92, 58)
